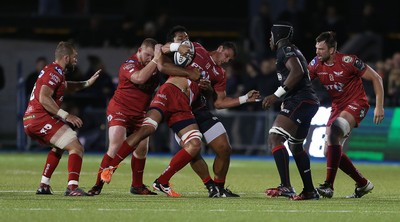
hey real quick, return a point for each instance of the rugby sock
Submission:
(137, 166)
(52, 161)
(281, 157)
(334, 152)
(105, 162)
(303, 165)
(348, 167)
(220, 183)
(124, 150)
(207, 180)
(74, 169)
(181, 159)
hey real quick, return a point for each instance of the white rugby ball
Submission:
(184, 61)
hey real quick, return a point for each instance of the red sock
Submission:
(74, 169)
(137, 166)
(181, 159)
(206, 180)
(334, 153)
(52, 161)
(105, 162)
(347, 166)
(122, 153)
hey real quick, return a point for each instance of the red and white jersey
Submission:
(210, 70)
(130, 98)
(52, 76)
(342, 79)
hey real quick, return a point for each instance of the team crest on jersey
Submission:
(313, 62)
(347, 59)
(59, 70)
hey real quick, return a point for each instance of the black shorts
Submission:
(205, 119)
(301, 112)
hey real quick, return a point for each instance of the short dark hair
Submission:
(230, 45)
(175, 29)
(329, 37)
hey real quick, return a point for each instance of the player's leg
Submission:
(53, 158)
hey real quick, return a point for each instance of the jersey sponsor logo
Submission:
(359, 64)
(215, 71)
(162, 96)
(347, 59)
(159, 102)
(338, 86)
(51, 83)
(352, 107)
(54, 78)
(46, 128)
(322, 73)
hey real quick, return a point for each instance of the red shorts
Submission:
(42, 128)
(358, 109)
(131, 123)
(172, 103)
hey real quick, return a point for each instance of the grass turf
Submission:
(247, 177)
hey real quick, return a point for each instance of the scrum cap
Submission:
(280, 31)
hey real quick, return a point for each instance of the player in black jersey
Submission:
(292, 123)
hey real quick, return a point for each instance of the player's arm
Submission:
(377, 83)
(166, 66)
(296, 73)
(142, 75)
(47, 101)
(73, 86)
(222, 101)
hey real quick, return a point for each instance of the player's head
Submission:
(325, 45)
(329, 38)
(66, 55)
(146, 50)
(281, 31)
(177, 34)
(225, 52)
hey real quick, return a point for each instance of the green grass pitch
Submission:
(21, 174)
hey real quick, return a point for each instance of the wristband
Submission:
(86, 84)
(280, 91)
(173, 47)
(154, 61)
(62, 113)
(243, 99)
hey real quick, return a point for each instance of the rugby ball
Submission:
(184, 61)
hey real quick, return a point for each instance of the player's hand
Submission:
(93, 79)
(184, 49)
(205, 84)
(157, 51)
(379, 115)
(253, 96)
(268, 101)
(74, 120)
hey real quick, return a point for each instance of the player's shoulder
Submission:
(350, 60)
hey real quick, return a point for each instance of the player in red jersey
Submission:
(342, 76)
(212, 129)
(138, 80)
(172, 104)
(46, 122)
